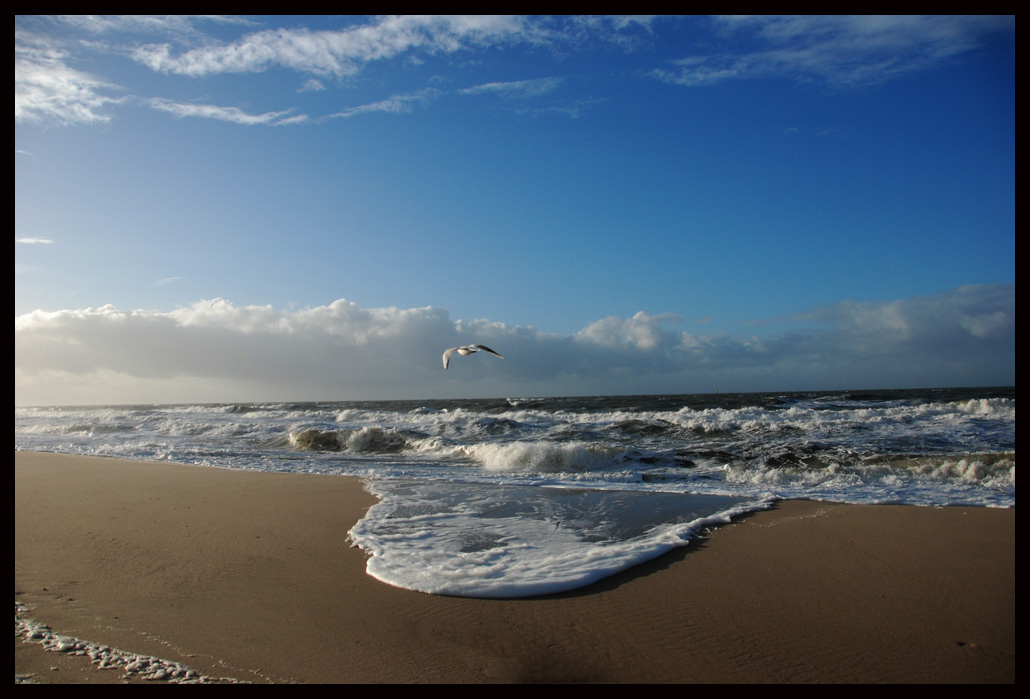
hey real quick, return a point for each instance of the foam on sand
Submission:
(105, 657)
(494, 541)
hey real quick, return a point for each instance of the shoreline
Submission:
(249, 575)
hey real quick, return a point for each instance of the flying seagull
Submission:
(466, 351)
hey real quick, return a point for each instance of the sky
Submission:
(270, 208)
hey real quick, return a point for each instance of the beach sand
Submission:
(250, 576)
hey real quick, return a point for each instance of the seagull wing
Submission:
(447, 357)
(487, 349)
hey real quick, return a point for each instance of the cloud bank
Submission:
(215, 351)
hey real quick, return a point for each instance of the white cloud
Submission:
(836, 49)
(396, 104)
(183, 26)
(334, 53)
(516, 88)
(312, 85)
(520, 92)
(231, 114)
(33, 241)
(48, 91)
(222, 351)
(641, 332)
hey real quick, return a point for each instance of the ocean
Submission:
(515, 497)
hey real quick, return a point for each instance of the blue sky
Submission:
(623, 205)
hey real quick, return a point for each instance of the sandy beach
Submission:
(250, 576)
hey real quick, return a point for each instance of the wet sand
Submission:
(250, 576)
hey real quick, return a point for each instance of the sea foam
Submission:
(519, 541)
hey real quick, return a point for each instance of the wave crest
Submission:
(546, 457)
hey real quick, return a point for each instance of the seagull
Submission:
(465, 351)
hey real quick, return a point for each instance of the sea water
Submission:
(526, 496)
